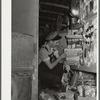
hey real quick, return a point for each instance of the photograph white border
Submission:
(6, 49)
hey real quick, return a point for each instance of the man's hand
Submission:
(63, 55)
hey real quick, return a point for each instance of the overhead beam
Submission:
(44, 22)
(53, 4)
(49, 18)
(42, 26)
(52, 12)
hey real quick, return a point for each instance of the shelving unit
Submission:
(88, 65)
(84, 68)
(88, 18)
(74, 39)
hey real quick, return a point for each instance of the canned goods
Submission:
(87, 91)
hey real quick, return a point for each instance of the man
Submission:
(50, 70)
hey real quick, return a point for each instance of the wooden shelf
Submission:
(74, 36)
(87, 98)
(82, 68)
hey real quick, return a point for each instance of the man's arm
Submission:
(46, 59)
(52, 65)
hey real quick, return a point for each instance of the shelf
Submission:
(74, 36)
(82, 68)
(87, 98)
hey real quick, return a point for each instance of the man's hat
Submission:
(53, 36)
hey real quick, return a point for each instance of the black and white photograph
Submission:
(53, 50)
(24, 36)
(67, 57)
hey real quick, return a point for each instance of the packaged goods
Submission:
(73, 52)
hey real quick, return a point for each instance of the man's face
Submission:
(54, 43)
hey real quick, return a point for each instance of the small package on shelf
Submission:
(87, 91)
(73, 60)
(87, 88)
(73, 52)
(73, 55)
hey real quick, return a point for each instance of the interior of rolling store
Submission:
(76, 22)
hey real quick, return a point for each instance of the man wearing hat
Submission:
(50, 70)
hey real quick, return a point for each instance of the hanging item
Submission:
(91, 5)
(89, 43)
(59, 22)
(95, 6)
(75, 11)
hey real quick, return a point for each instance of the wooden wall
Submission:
(24, 47)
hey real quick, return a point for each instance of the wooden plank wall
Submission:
(24, 47)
